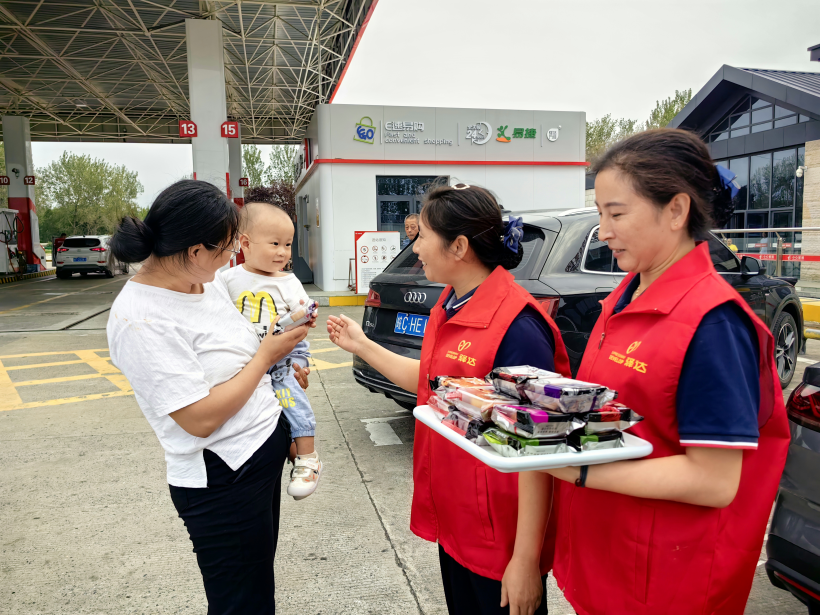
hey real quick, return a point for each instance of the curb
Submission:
(811, 309)
(27, 276)
(340, 300)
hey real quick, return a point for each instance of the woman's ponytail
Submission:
(451, 211)
(133, 242)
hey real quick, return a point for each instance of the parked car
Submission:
(569, 271)
(793, 545)
(86, 254)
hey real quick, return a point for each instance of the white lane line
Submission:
(760, 563)
(802, 360)
(381, 433)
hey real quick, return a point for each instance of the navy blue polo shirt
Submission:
(528, 340)
(719, 388)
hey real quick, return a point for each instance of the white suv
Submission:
(86, 253)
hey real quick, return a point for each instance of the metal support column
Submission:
(237, 193)
(20, 170)
(206, 90)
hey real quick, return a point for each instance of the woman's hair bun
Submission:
(473, 212)
(133, 242)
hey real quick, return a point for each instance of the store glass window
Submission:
(751, 115)
(760, 175)
(740, 167)
(784, 165)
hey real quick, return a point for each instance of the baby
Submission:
(262, 291)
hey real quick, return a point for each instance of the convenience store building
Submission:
(365, 168)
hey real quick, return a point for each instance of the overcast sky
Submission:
(598, 56)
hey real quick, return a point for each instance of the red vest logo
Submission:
(632, 347)
(464, 345)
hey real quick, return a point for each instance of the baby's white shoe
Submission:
(304, 477)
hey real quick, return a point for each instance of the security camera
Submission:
(16, 172)
(799, 172)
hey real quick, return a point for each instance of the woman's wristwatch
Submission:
(581, 481)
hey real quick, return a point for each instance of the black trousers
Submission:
(234, 527)
(468, 593)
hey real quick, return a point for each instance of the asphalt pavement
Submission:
(89, 527)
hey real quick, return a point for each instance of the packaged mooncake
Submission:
(611, 417)
(511, 445)
(529, 421)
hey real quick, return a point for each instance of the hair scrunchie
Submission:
(513, 233)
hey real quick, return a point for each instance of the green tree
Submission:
(83, 196)
(253, 165)
(282, 164)
(667, 109)
(604, 132)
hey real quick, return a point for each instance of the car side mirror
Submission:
(750, 266)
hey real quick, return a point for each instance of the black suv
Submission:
(569, 271)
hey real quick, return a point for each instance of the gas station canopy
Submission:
(117, 70)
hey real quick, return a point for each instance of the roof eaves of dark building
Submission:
(814, 53)
(800, 90)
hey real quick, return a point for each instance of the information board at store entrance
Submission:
(374, 251)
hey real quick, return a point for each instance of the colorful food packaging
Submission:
(507, 379)
(461, 382)
(465, 425)
(511, 445)
(531, 421)
(440, 406)
(611, 417)
(480, 400)
(563, 394)
(296, 318)
(597, 441)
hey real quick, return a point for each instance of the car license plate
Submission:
(79, 259)
(410, 324)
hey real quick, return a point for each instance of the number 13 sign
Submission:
(230, 130)
(186, 129)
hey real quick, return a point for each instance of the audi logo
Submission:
(415, 297)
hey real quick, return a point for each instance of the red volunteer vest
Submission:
(469, 508)
(618, 554)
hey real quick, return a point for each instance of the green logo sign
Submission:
(518, 133)
(365, 131)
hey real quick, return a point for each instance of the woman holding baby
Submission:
(200, 376)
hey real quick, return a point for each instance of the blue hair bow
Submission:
(513, 233)
(727, 179)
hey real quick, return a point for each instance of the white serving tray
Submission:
(634, 448)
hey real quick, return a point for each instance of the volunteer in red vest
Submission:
(493, 559)
(679, 532)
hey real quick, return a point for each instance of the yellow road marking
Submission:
(318, 350)
(46, 354)
(28, 383)
(55, 364)
(68, 400)
(11, 400)
(9, 397)
(320, 365)
(57, 297)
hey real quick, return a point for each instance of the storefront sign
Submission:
(552, 134)
(399, 126)
(374, 251)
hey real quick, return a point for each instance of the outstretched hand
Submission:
(345, 333)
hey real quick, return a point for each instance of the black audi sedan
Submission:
(569, 271)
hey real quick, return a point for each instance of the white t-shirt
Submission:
(173, 348)
(254, 295)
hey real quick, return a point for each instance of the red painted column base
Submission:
(24, 207)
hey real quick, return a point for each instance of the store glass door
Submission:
(392, 212)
